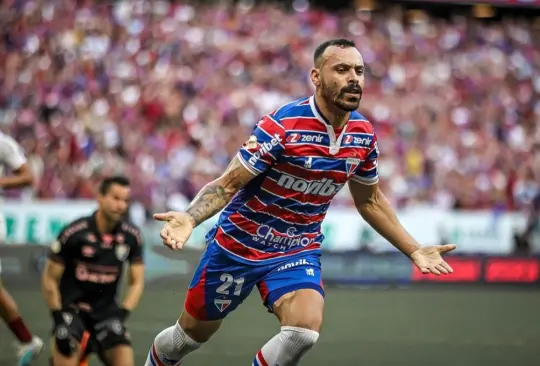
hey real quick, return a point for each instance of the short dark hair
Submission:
(338, 42)
(106, 183)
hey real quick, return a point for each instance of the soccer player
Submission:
(81, 278)
(12, 157)
(274, 196)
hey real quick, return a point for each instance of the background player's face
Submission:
(341, 77)
(115, 202)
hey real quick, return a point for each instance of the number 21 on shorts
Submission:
(228, 281)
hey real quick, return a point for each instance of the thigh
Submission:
(119, 356)
(109, 333)
(219, 286)
(294, 292)
(77, 329)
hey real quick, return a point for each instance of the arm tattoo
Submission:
(216, 194)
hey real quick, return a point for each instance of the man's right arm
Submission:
(262, 149)
(49, 283)
(215, 195)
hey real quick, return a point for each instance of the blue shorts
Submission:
(221, 282)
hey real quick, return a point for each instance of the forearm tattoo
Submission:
(215, 195)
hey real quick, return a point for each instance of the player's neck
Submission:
(335, 116)
(103, 225)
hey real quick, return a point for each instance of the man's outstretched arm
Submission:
(214, 196)
(378, 213)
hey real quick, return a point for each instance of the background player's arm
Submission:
(215, 195)
(378, 213)
(60, 252)
(136, 275)
(16, 161)
(49, 284)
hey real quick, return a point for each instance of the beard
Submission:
(340, 97)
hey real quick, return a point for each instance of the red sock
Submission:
(20, 330)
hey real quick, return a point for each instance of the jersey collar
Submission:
(335, 142)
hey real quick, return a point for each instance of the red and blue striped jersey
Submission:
(300, 164)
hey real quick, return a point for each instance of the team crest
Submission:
(251, 143)
(121, 251)
(351, 164)
(222, 304)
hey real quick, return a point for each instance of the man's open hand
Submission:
(429, 259)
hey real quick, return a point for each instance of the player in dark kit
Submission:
(81, 278)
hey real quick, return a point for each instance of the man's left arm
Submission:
(378, 213)
(136, 275)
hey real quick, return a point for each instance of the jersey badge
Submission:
(121, 251)
(351, 164)
(222, 304)
(251, 143)
(56, 246)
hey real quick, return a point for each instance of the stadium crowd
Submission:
(167, 93)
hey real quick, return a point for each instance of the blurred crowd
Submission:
(167, 93)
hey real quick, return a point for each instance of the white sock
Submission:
(287, 348)
(170, 347)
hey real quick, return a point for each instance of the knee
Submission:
(299, 340)
(199, 331)
(312, 321)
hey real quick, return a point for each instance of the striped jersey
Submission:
(300, 163)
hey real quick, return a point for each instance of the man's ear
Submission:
(316, 77)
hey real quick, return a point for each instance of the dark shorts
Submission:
(104, 332)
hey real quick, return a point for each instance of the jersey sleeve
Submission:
(11, 153)
(264, 146)
(368, 173)
(63, 247)
(137, 248)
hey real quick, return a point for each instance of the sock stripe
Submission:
(154, 357)
(261, 359)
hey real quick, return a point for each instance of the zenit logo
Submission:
(359, 141)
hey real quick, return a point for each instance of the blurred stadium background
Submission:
(166, 91)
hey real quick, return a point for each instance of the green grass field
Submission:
(426, 326)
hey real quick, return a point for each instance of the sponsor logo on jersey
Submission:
(308, 162)
(324, 187)
(305, 138)
(88, 251)
(266, 236)
(107, 241)
(300, 262)
(351, 164)
(121, 251)
(358, 141)
(120, 238)
(222, 304)
(84, 273)
(265, 148)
